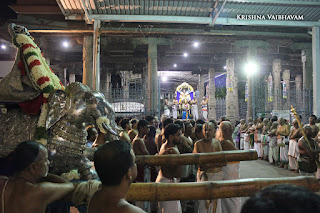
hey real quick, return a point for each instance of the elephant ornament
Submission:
(36, 106)
(69, 112)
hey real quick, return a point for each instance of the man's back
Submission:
(30, 197)
(101, 203)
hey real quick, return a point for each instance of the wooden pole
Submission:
(212, 189)
(220, 158)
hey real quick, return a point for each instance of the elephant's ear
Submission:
(57, 107)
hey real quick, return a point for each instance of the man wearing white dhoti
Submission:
(273, 147)
(294, 136)
(170, 174)
(283, 143)
(230, 171)
(243, 129)
(208, 172)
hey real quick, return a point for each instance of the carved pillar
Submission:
(316, 69)
(276, 70)
(152, 78)
(232, 106)
(211, 95)
(72, 78)
(88, 75)
(286, 80)
(298, 83)
(201, 93)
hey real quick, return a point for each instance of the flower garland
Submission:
(42, 76)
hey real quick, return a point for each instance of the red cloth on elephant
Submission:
(32, 107)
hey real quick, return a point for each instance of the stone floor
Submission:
(250, 169)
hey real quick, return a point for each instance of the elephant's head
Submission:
(79, 105)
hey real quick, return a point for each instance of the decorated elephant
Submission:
(36, 106)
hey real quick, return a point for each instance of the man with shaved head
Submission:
(209, 172)
(231, 170)
(308, 154)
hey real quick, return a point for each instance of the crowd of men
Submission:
(114, 162)
(281, 143)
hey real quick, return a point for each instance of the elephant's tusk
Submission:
(108, 128)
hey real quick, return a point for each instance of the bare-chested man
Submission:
(170, 174)
(294, 136)
(308, 154)
(312, 124)
(282, 140)
(26, 192)
(126, 126)
(134, 129)
(115, 165)
(204, 107)
(264, 138)
(246, 134)
(231, 170)
(257, 141)
(209, 172)
(139, 146)
(160, 139)
(186, 145)
(273, 147)
(243, 128)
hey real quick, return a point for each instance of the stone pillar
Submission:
(88, 75)
(65, 76)
(252, 46)
(286, 79)
(105, 80)
(276, 70)
(306, 58)
(125, 77)
(201, 93)
(249, 102)
(145, 84)
(298, 83)
(316, 69)
(152, 78)
(232, 106)
(72, 78)
(96, 55)
(211, 95)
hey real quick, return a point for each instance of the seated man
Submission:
(115, 165)
(283, 198)
(25, 191)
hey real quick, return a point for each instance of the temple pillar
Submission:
(152, 78)
(105, 82)
(96, 55)
(298, 84)
(252, 46)
(276, 70)
(88, 75)
(72, 78)
(65, 76)
(153, 102)
(201, 93)
(211, 95)
(286, 80)
(316, 69)
(232, 106)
